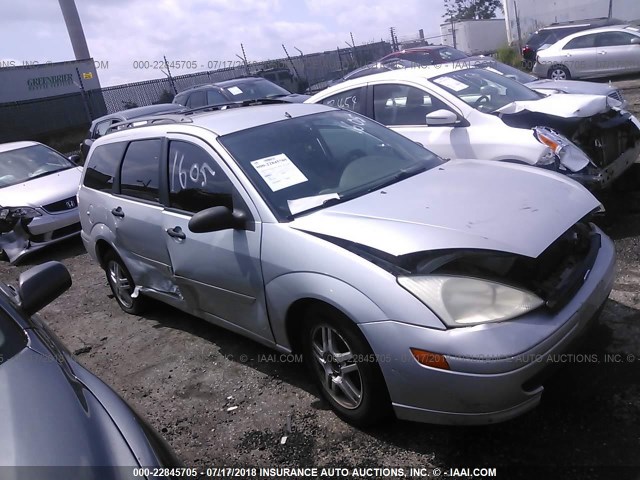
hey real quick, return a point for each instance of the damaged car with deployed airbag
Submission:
(436, 290)
(38, 205)
(477, 113)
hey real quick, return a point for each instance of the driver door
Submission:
(404, 108)
(218, 273)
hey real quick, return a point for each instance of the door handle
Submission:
(117, 212)
(602, 53)
(176, 232)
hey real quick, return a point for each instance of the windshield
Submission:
(506, 70)
(22, 164)
(305, 163)
(484, 90)
(253, 90)
(433, 56)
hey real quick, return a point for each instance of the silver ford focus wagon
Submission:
(433, 290)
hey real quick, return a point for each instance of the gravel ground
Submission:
(184, 375)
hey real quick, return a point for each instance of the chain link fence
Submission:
(44, 118)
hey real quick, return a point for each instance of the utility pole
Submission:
(74, 27)
(610, 8)
(453, 33)
(171, 82)
(515, 8)
(244, 57)
(394, 40)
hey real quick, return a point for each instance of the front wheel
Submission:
(344, 367)
(122, 284)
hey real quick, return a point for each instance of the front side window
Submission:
(349, 100)
(140, 171)
(27, 163)
(197, 99)
(613, 39)
(396, 104)
(484, 90)
(101, 168)
(304, 163)
(196, 181)
(214, 97)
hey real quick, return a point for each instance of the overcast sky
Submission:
(123, 31)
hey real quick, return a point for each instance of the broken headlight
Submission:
(567, 153)
(13, 213)
(464, 301)
(10, 216)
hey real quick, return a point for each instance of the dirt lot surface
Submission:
(184, 374)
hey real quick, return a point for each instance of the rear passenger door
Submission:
(218, 273)
(136, 213)
(579, 55)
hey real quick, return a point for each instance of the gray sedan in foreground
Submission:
(436, 290)
(54, 412)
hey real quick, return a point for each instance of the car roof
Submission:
(224, 83)
(600, 21)
(223, 121)
(7, 147)
(421, 72)
(609, 28)
(141, 111)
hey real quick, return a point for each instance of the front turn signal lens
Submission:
(430, 359)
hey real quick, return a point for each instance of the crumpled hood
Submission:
(43, 190)
(572, 86)
(469, 204)
(560, 105)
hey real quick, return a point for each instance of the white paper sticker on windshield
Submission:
(278, 172)
(451, 83)
(234, 90)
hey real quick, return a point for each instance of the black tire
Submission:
(116, 272)
(559, 72)
(368, 402)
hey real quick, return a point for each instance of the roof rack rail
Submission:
(224, 106)
(147, 121)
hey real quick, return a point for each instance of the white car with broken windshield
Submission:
(477, 113)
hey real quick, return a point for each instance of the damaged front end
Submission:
(465, 287)
(15, 238)
(594, 150)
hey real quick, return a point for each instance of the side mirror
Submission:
(215, 219)
(41, 285)
(75, 159)
(441, 117)
(635, 41)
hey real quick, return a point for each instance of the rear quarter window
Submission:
(102, 166)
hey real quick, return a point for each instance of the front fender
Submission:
(285, 290)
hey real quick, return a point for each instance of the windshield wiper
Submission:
(401, 175)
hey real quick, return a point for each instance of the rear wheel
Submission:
(559, 72)
(343, 367)
(122, 284)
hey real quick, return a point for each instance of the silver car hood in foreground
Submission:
(562, 105)
(42, 190)
(470, 204)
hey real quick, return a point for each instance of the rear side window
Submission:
(584, 41)
(214, 97)
(350, 100)
(102, 166)
(140, 173)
